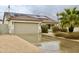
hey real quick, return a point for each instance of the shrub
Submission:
(63, 30)
(44, 28)
(55, 29)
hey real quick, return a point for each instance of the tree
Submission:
(69, 18)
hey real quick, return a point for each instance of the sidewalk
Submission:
(48, 34)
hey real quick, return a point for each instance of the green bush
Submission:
(44, 28)
(73, 35)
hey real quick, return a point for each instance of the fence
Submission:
(4, 29)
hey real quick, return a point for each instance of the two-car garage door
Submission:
(24, 28)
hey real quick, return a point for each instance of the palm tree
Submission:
(69, 18)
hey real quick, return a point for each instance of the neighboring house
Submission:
(0, 21)
(25, 23)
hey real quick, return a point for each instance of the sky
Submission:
(47, 10)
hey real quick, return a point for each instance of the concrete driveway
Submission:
(13, 43)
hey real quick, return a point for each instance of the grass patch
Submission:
(73, 35)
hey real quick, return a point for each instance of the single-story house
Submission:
(19, 23)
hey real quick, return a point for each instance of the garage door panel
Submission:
(25, 28)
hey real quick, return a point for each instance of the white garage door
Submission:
(24, 28)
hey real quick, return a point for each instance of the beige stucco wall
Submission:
(10, 26)
(5, 20)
